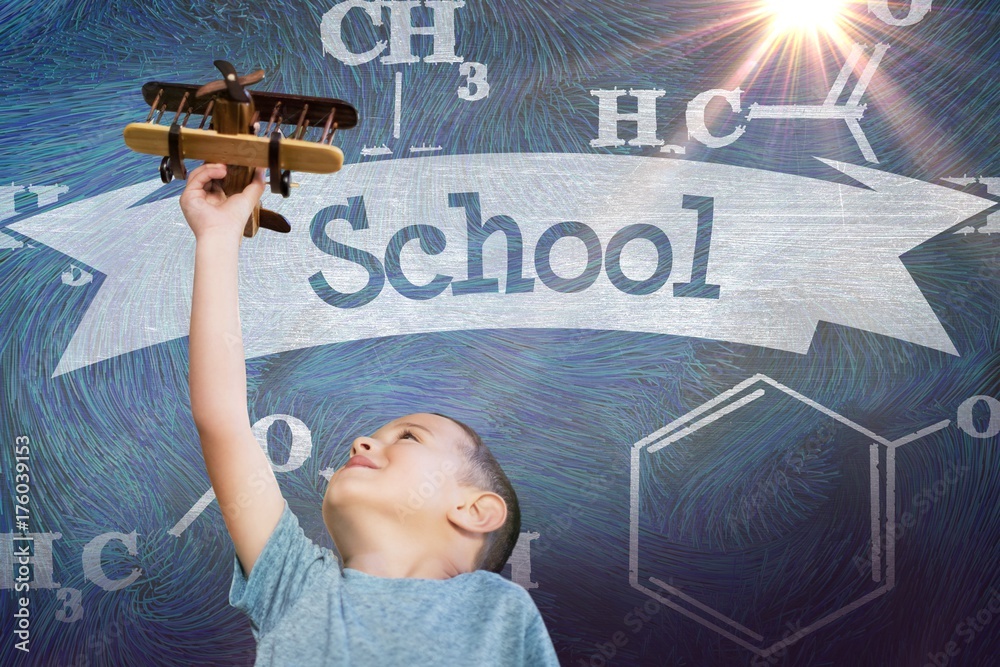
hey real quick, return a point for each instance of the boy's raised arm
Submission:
(241, 475)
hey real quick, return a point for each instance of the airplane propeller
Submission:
(231, 83)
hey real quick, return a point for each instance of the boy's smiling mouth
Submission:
(362, 461)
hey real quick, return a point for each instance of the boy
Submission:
(419, 583)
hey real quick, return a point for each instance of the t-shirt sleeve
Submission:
(279, 575)
(538, 648)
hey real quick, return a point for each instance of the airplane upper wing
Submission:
(289, 111)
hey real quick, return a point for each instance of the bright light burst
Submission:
(795, 52)
(804, 14)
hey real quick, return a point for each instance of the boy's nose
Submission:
(362, 445)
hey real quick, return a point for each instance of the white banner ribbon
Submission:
(607, 242)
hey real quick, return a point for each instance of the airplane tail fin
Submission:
(274, 221)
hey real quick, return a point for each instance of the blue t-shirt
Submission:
(306, 610)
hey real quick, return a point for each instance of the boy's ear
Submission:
(482, 512)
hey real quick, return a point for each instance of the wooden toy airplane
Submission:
(232, 138)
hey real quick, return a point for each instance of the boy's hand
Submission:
(208, 210)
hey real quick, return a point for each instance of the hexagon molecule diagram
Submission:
(762, 512)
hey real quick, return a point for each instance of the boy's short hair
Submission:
(482, 471)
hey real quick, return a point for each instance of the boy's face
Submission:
(416, 459)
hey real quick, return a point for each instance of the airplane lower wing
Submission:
(238, 149)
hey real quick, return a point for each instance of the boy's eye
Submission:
(407, 434)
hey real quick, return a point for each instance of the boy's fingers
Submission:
(255, 188)
(210, 166)
(198, 178)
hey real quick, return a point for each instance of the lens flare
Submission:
(804, 14)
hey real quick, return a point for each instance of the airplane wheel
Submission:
(286, 183)
(166, 173)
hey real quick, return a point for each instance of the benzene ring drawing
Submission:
(763, 515)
